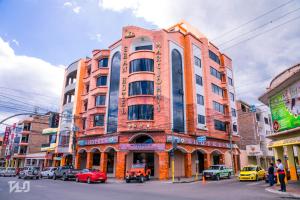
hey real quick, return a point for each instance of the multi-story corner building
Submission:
(28, 140)
(253, 127)
(150, 88)
(283, 98)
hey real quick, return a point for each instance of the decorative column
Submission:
(188, 165)
(278, 153)
(163, 164)
(103, 162)
(77, 161)
(120, 168)
(63, 161)
(291, 163)
(207, 158)
(89, 160)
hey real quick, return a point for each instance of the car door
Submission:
(221, 169)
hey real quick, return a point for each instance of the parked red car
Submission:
(91, 176)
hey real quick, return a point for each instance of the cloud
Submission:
(16, 42)
(97, 37)
(256, 61)
(77, 9)
(26, 82)
(68, 4)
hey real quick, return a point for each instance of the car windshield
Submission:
(247, 169)
(140, 165)
(214, 167)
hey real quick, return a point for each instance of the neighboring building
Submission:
(50, 146)
(283, 98)
(2, 151)
(253, 127)
(28, 140)
(128, 101)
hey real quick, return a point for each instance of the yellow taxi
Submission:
(252, 173)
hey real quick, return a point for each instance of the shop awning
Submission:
(285, 142)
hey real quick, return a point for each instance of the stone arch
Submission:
(217, 157)
(82, 150)
(200, 150)
(109, 148)
(182, 149)
(95, 149)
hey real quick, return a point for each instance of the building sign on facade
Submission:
(284, 142)
(6, 135)
(143, 147)
(98, 140)
(253, 150)
(285, 108)
(183, 140)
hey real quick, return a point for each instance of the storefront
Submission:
(116, 154)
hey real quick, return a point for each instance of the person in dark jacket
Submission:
(271, 174)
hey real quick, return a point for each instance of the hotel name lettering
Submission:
(158, 74)
(124, 80)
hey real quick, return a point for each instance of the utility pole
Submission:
(172, 156)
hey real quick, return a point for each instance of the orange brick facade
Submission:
(115, 152)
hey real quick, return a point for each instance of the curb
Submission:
(288, 194)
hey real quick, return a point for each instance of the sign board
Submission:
(143, 146)
(253, 150)
(284, 142)
(6, 135)
(285, 108)
(252, 108)
(98, 140)
(192, 141)
(201, 139)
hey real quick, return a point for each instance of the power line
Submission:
(259, 27)
(254, 19)
(295, 18)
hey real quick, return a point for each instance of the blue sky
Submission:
(39, 38)
(55, 33)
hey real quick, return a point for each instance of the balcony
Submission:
(48, 147)
(70, 87)
(49, 131)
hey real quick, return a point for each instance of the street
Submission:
(57, 189)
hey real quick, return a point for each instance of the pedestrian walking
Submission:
(281, 175)
(271, 174)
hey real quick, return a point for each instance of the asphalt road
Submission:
(152, 190)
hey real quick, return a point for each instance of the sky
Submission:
(39, 38)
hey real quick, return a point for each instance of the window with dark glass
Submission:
(215, 73)
(113, 96)
(257, 117)
(199, 80)
(99, 120)
(88, 70)
(230, 81)
(140, 112)
(201, 119)
(100, 100)
(177, 92)
(231, 96)
(103, 62)
(85, 105)
(200, 99)
(83, 123)
(214, 57)
(217, 90)
(218, 107)
(87, 88)
(101, 81)
(234, 127)
(144, 47)
(197, 61)
(266, 120)
(233, 112)
(143, 64)
(219, 125)
(141, 88)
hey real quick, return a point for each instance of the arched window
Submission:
(112, 119)
(177, 92)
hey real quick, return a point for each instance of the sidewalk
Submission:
(292, 189)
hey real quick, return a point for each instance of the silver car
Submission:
(10, 171)
(2, 170)
(48, 172)
(30, 172)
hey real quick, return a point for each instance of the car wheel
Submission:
(41, 176)
(142, 179)
(77, 180)
(218, 177)
(37, 177)
(127, 180)
(64, 177)
(54, 176)
(229, 175)
(89, 180)
(48, 176)
(19, 177)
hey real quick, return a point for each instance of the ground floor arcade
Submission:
(116, 158)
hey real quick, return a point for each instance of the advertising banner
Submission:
(143, 147)
(6, 135)
(285, 108)
(98, 140)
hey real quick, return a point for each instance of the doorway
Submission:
(144, 157)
